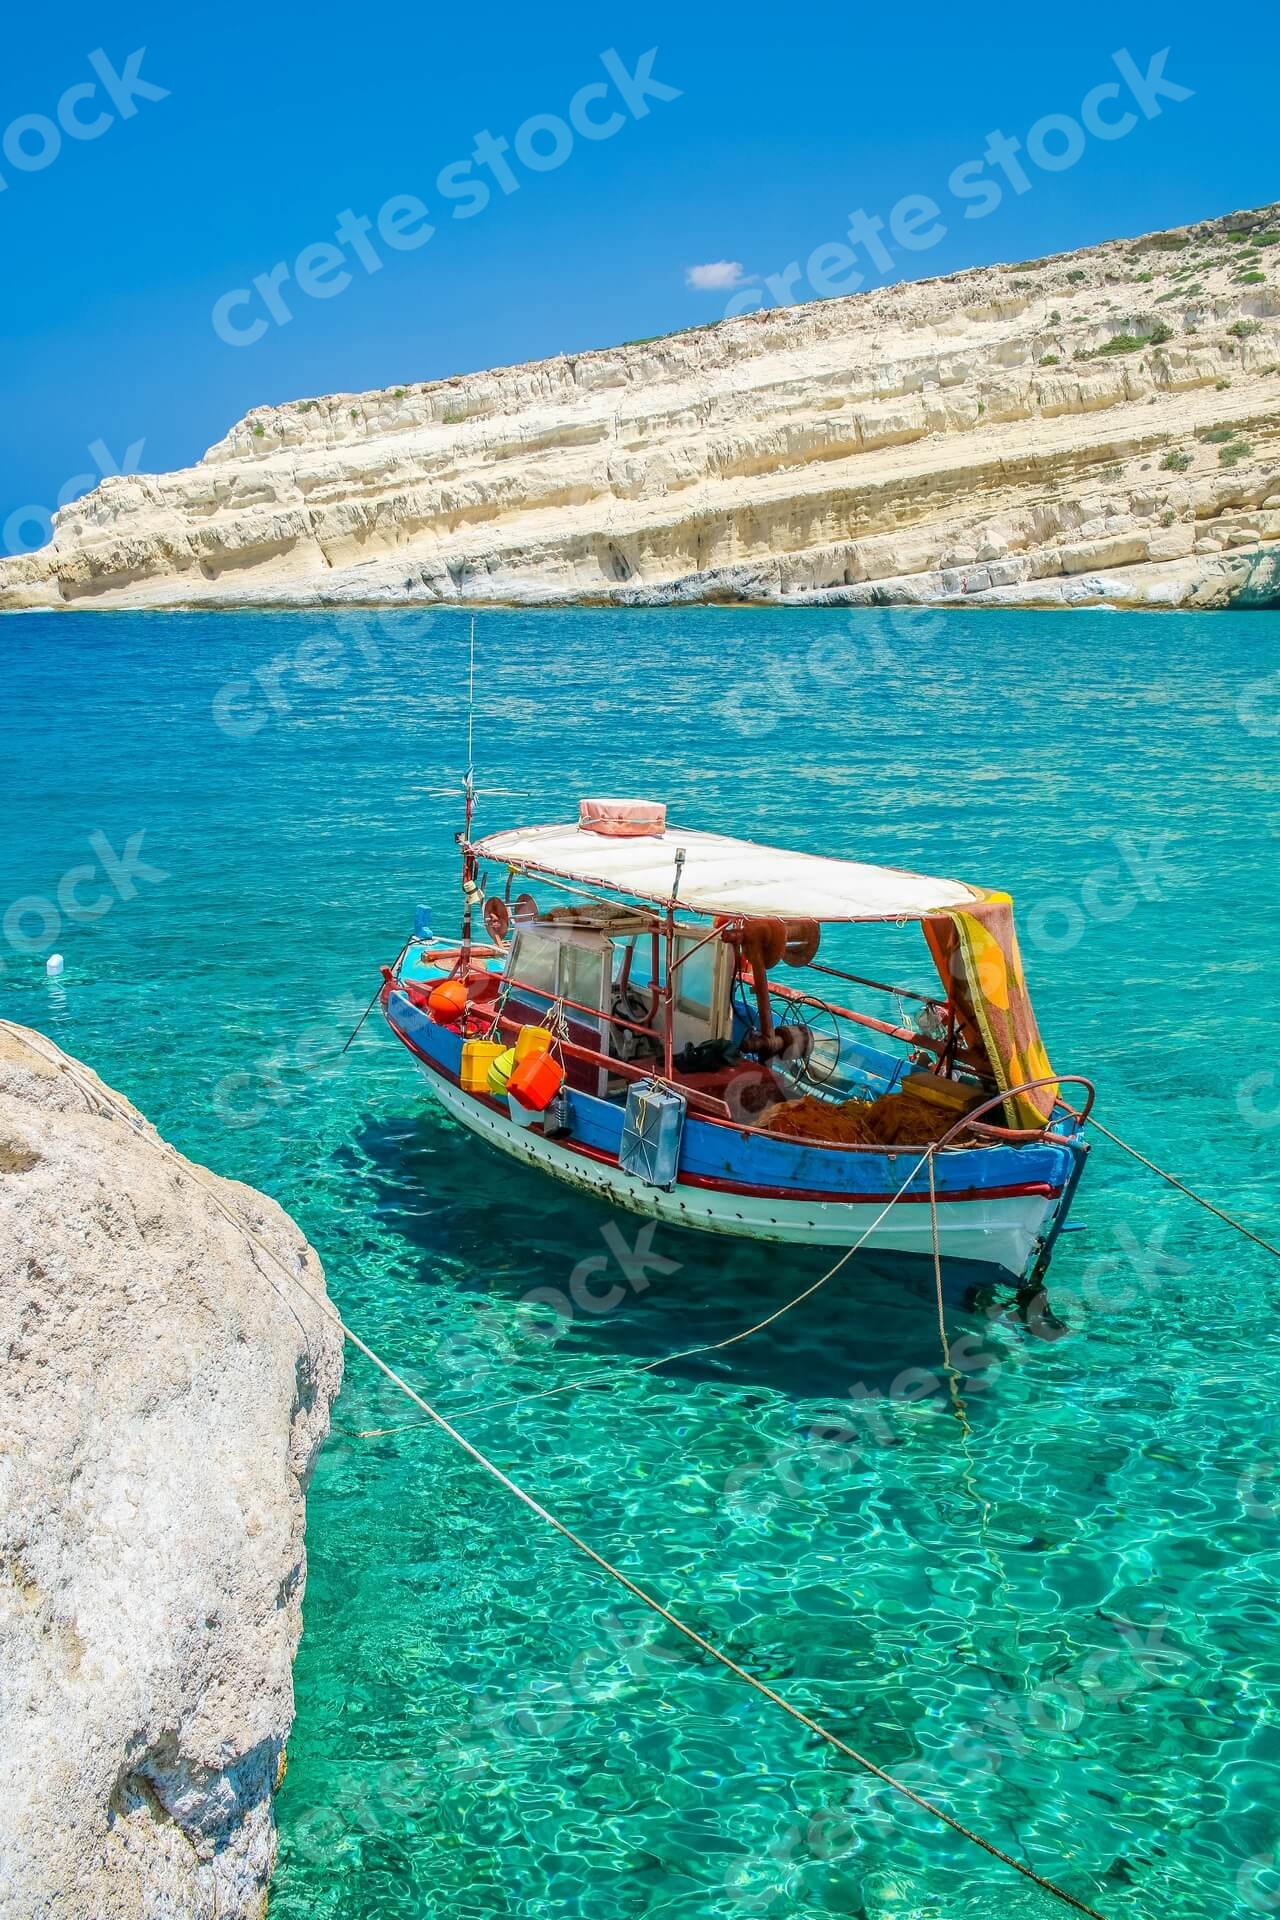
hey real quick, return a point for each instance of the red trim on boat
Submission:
(813, 1195)
(1037, 1190)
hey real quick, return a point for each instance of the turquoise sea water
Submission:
(1059, 1615)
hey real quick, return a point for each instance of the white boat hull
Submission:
(1000, 1232)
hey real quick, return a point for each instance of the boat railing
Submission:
(719, 1110)
(911, 1035)
(1014, 1135)
(510, 983)
(707, 1103)
(880, 986)
(715, 1109)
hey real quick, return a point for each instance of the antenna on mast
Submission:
(470, 890)
(469, 778)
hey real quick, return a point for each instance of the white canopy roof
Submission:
(724, 876)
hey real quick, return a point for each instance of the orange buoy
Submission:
(447, 1002)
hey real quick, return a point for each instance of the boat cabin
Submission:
(665, 1016)
(695, 958)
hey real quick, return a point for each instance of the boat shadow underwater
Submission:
(601, 1284)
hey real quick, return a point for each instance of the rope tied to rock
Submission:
(104, 1100)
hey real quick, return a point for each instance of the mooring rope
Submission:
(937, 1268)
(1199, 1198)
(105, 1100)
(953, 1376)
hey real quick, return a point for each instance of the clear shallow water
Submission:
(1058, 1617)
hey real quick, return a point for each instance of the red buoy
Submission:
(447, 1002)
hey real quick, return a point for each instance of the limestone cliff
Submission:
(1100, 425)
(163, 1403)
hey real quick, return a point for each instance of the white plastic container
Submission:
(522, 1115)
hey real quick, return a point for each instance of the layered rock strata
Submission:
(1102, 425)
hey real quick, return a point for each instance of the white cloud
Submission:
(717, 276)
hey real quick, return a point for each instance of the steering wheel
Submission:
(802, 1016)
(628, 1004)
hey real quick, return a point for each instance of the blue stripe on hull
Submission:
(726, 1155)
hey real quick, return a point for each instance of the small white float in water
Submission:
(54, 964)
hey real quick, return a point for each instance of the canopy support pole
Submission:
(669, 985)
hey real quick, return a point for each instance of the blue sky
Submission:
(277, 118)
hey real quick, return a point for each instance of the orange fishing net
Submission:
(916, 1117)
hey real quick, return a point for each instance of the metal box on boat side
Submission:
(652, 1128)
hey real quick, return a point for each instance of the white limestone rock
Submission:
(775, 456)
(166, 1392)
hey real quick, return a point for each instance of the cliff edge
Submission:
(1102, 425)
(163, 1405)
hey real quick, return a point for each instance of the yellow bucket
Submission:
(532, 1040)
(500, 1072)
(477, 1058)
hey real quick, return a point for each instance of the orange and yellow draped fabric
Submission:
(975, 950)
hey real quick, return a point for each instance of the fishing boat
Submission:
(647, 1013)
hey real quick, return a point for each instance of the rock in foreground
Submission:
(163, 1404)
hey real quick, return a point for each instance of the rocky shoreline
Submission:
(1102, 426)
(164, 1406)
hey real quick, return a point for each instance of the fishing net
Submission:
(916, 1117)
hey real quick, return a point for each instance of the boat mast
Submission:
(469, 779)
(669, 988)
(470, 891)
